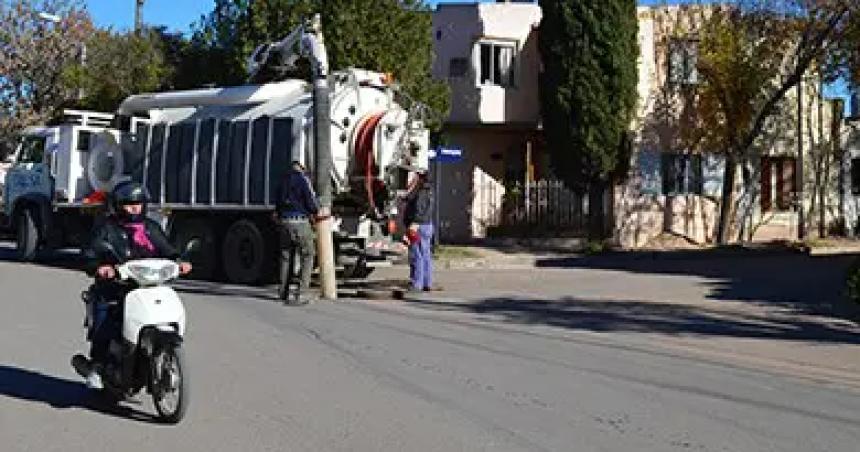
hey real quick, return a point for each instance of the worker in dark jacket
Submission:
(297, 208)
(132, 236)
(418, 218)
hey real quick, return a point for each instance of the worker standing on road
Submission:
(297, 208)
(418, 218)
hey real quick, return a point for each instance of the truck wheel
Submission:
(244, 253)
(204, 261)
(27, 236)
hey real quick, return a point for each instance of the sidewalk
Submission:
(780, 312)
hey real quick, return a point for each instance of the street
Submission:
(591, 355)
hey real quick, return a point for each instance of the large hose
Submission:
(364, 154)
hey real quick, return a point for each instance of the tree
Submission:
(121, 64)
(752, 53)
(38, 62)
(385, 35)
(588, 94)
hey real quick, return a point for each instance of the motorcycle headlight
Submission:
(153, 275)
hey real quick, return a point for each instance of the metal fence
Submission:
(545, 203)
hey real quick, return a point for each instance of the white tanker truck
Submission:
(212, 160)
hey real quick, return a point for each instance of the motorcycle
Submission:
(149, 351)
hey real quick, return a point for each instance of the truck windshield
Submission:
(32, 149)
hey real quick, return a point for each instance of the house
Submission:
(850, 175)
(488, 53)
(674, 191)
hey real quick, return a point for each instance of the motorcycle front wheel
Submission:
(170, 388)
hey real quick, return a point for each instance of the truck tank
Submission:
(219, 154)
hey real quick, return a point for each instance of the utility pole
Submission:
(323, 159)
(138, 16)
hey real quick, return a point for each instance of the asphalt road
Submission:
(388, 376)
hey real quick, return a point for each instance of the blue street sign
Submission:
(446, 155)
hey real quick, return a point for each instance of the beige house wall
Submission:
(459, 30)
(642, 215)
(491, 122)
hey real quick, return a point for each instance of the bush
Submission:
(594, 247)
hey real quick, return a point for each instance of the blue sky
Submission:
(179, 14)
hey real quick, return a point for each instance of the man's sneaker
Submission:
(299, 301)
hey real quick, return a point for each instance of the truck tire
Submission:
(205, 260)
(244, 253)
(27, 234)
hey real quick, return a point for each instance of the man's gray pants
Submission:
(297, 235)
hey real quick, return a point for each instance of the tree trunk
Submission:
(596, 211)
(724, 222)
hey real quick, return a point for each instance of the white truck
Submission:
(212, 160)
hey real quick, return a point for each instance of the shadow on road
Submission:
(262, 293)
(790, 280)
(651, 317)
(62, 259)
(60, 393)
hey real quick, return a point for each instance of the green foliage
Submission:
(595, 247)
(588, 89)
(38, 60)
(383, 35)
(119, 65)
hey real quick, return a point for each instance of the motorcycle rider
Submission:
(133, 236)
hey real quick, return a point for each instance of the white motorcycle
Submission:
(149, 351)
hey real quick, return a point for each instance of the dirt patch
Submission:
(668, 241)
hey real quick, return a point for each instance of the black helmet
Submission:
(129, 193)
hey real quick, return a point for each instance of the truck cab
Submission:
(47, 178)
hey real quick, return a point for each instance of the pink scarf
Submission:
(139, 237)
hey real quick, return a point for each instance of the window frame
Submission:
(781, 190)
(478, 65)
(686, 175)
(855, 176)
(689, 49)
(25, 151)
(464, 72)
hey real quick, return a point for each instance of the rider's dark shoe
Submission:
(87, 369)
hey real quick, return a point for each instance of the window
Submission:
(84, 140)
(681, 174)
(32, 150)
(779, 182)
(855, 176)
(683, 58)
(497, 64)
(458, 67)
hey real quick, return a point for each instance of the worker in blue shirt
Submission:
(297, 208)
